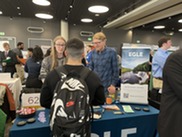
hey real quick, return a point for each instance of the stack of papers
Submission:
(7, 60)
(111, 107)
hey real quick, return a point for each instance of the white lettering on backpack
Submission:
(61, 112)
(72, 84)
(74, 135)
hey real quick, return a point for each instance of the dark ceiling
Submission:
(61, 10)
(171, 24)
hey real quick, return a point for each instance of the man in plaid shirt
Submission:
(104, 63)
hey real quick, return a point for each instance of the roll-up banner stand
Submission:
(135, 69)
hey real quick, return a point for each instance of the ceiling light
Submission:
(86, 20)
(159, 27)
(169, 33)
(1, 12)
(18, 8)
(98, 9)
(180, 21)
(43, 16)
(41, 2)
(19, 13)
(180, 30)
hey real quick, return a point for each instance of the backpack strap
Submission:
(84, 72)
(61, 69)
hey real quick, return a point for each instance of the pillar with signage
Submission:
(135, 75)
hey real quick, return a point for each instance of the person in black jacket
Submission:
(8, 59)
(32, 67)
(170, 116)
(74, 54)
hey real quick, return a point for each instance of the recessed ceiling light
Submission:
(86, 20)
(43, 16)
(1, 12)
(97, 15)
(41, 2)
(98, 9)
(169, 33)
(19, 13)
(180, 21)
(159, 27)
(18, 8)
(180, 30)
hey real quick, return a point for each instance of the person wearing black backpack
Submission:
(55, 91)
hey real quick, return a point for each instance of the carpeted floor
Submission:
(7, 128)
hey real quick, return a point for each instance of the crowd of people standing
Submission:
(102, 60)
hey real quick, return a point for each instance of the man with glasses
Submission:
(104, 63)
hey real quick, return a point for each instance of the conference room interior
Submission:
(118, 24)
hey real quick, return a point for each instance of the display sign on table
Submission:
(31, 100)
(134, 75)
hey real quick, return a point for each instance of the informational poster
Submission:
(134, 75)
(45, 48)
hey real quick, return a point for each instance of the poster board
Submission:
(45, 48)
(134, 75)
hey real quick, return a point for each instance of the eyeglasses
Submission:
(96, 43)
(61, 45)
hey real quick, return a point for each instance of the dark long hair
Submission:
(37, 54)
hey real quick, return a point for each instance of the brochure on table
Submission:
(134, 76)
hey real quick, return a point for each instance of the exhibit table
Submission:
(137, 124)
(15, 86)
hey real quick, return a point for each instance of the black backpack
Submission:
(70, 109)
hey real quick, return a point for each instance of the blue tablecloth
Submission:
(138, 124)
(37, 129)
